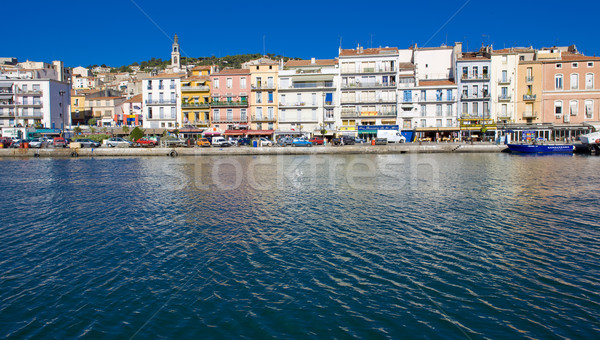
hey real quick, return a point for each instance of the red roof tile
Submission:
(436, 82)
(232, 71)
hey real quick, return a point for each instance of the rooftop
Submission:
(369, 51)
(232, 71)
(441, 82)
(318, 62)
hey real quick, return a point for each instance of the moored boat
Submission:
(541, 148)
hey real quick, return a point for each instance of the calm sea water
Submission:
(369, 246)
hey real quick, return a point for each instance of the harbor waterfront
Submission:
(214, 151)
(447, 245)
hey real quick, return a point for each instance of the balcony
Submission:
(161, 102)
(484, 96)
(505, 115)
(504, 98)
(441, 99)
(369, 85)
(530, 114)
(263, 87)
(373, 114)
(475, 77)
(7, 104)
(256, 118)
(199, 123)
(34, 91)
(38, 105)
(529, 97)
(195, 105)
(504, 81)
(195, 89)
(243, 103)
(529, 79)
(307, 86)
(298, 105)
(371, 70)
(231, 120)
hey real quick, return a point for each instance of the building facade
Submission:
(264, 94)
(367, 91)
(308, 98)
(195, 98)
(229, 99)
(161, 101)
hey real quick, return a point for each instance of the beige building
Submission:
(529, 92)
(263, 95)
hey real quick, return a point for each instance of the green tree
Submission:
(92, 122)
(125, 129)
(77, 130)
(136, 133)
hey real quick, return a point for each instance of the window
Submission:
(438, 110)
(270, 97)
(589, 81)
(423, 95)
(149, 87)
(558, 108)
(243, 82)
(475, 72)
(504, 109)
(558, 82)
(574, 81)
(216, 83)
(504, 59)
(298, 114)
(465, 108)
(259, 113)
(475, 108)
(271, 112)
(161, 112)
(486, 108)
(149, 113)
(407, 96)
(589, 109)
(314, 99)
(160, 85)
(216, 115)
(173, 112)
(258, 82)
(243, 115)
(423, 110)
(258, 97)
(558, 65)
(448, 109)
(329, 98)
(270, 82)
(438, 95)
(574, 107)
(314, 114)
(172, 83)
(504, 75)
(590, 64)
(575, 65)
(229, 83)
(229, 114)
(465, 72)
(448, 94)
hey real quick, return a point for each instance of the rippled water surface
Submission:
(378, 246)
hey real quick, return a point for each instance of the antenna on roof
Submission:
(264, 49)
(371, 40)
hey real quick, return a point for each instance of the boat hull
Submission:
(541, 148)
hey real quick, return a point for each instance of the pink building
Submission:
(571, 94)
(229, 103)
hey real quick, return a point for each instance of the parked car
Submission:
(359, 140)
(118, 142)
(38, 143)
(17, 143)
(172, 141)
(88, 143)
(317, 140)
(344, 140)
(381, 141)
(5, 141)
(244, 141)
(220, 141)
(203, 142)
(59, 142)
(147, 142)
(301, 142)
(264, 142)
(284, 141)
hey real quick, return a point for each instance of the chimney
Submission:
(312, 61)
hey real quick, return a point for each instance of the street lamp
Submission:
(62, 107)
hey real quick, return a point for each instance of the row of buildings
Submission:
(438, 93)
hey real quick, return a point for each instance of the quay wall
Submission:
(238, 151)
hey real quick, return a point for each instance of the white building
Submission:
(161, 100)
(368, 94)
(504, 85)
(33, 98)
(308, 101)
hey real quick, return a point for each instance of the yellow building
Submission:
(529, 92)
(264, 94)
(195, 97)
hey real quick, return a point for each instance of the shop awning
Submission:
(259, 132)
(235, 132)
(288, 132)
(212, 133)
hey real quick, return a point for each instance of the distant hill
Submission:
(233, 61)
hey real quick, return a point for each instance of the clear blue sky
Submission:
(117, 32)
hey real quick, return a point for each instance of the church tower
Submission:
(175, 56)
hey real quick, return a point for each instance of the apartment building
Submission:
(367, 91)
(308, 98)
(264, 94)
(195, 97)
(230, 90)
(161, 101)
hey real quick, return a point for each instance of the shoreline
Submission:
(241, 151)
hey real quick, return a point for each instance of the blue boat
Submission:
(541, 148)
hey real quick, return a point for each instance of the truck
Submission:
(392, 136)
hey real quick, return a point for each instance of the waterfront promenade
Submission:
(275, 150)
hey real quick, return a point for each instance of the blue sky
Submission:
(119, 32)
